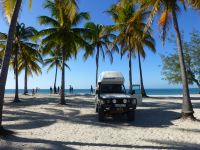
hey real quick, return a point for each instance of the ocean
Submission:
(87, 91)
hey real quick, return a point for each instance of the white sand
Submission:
(42, 124)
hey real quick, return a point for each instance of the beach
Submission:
(41, 123)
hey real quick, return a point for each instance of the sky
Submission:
(82, 73)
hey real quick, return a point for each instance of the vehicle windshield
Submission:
(112, 88)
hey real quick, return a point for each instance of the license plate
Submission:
(120, 105)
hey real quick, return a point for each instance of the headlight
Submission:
(125, 101)
(114, 101)
(102, 102)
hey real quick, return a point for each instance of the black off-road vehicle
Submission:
(111, 97)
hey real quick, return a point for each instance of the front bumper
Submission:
(117, 108)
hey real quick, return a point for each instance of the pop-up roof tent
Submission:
(111, 77)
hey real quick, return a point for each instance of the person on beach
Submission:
(51, 90)
(70, 89)
(36, 90)
(91, 90)
(33, 92)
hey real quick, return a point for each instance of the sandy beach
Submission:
(41, 123)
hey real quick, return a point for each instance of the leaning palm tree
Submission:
(10, 12)
(100, 41)
(54, 59)
(62, 31)
(167, 9)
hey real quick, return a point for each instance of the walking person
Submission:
(70, 89)
(51, 90)
(91, 90)
(33, 92)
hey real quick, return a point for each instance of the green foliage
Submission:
(27, 50)
(131, 37)
(62, 30)
(98, 38)
(8, 8)
(171, 68)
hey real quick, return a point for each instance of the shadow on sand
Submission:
(151, 114)
(146, 116)
(62, 145)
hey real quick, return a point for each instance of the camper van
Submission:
(111, 97)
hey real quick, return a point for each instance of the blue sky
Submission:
(82, 73)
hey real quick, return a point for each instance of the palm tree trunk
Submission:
(130, 72)
(187, 109)
(26, 81)
(16, 78)
(97, 65)
(62, 100)
(0, 63)
(143, 92)
(4, 70)
(55, 91)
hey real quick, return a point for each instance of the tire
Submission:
(131, 115)
(101, 115)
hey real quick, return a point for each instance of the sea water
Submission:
(87, 91)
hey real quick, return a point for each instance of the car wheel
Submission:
(101, 115)
(131, 115)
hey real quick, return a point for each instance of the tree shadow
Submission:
(170, 97)
(151, 114)
(61, 145)
(176, 145)
(41, 144)
(75, 102)
(32, 120)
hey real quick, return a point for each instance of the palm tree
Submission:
(21, 42)
(55, 59)
(99, 40)
(130, 33)
(29, 61)
(13, 14)
(62, 31)
(148, 41)
(166, 9)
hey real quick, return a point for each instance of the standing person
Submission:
(91, 90)
(36, 90)
(51, 90)
(70, 89)
(33, 92)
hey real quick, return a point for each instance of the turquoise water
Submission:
(87, 91)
